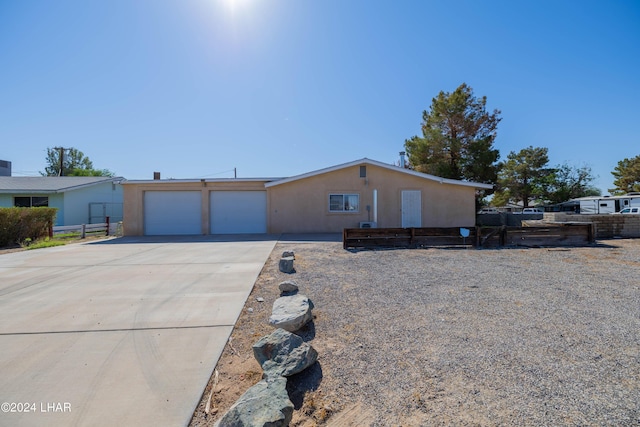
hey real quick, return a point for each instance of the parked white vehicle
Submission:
(629, 211)
(528, 211)
(531, 210)
(488, 211)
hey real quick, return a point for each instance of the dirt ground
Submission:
(544, 336)
(539, 336)
(237, 370)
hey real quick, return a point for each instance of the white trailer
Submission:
(608, 204)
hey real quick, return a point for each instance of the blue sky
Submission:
(274, 88)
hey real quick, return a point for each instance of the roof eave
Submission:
(191, 181)
(89, 184)
(60, 189)
(382, 165)
(29, 191)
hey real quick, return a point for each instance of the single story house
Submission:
(79, 199)
(360, 193)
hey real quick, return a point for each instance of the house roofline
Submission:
(117, 179)
(89, 184)
(382, 165)
(190, 181)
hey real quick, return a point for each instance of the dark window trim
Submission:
(31, 201)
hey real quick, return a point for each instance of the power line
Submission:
(219, 173)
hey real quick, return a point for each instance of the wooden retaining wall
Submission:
(569, 234)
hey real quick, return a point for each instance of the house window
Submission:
(344, 202)
(363, 171)
(30, 202)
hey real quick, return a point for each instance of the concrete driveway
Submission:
(120, 332)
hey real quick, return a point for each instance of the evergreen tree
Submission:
(523, 177)
(627, 176)
(457, 139)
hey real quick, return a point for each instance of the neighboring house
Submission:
(324, 201)
(79, 199)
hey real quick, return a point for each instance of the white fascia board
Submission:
(190, 181)
(89, 184)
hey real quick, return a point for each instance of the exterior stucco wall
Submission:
(133, 212)
(57, 201)
(76, 202)
(302, 206)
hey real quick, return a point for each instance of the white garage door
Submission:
(238, 212)
(172, 212)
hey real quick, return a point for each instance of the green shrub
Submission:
(19, 224)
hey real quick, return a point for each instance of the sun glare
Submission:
(235, 5)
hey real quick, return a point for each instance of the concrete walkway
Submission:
(120, 332)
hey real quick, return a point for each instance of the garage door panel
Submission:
(237, 212)
(172, 213)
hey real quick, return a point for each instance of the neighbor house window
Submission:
(30, 202)
(344, 202)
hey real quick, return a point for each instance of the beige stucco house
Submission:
(360, 193)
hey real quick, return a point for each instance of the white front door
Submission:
(411, 208)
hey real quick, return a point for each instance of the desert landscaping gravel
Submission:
(460, 337)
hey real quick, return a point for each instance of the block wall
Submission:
(606, 226)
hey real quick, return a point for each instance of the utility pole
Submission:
(61, 159)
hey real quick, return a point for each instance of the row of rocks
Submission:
(291, 312)
(280, 354)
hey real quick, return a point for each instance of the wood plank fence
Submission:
(567, 234)
(106, 228)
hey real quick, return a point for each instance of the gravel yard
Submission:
(542, 336)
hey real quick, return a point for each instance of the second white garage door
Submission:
(235, 212)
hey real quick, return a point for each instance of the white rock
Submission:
(291, 312)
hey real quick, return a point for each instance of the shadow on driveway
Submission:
(297, 238)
